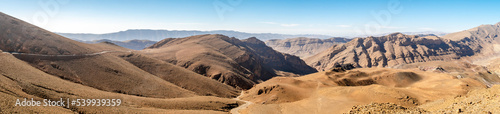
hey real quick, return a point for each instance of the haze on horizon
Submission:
(326, 17)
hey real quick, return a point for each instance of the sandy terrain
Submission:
(338, 92)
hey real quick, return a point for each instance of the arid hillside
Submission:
(19, 36)
(304, 47)
(397, 48)
(239, 63)
(100, 65)
(181, 77)
(19, 80)
(477, 101)
(339, 89)
(41, 65)
(390, 50)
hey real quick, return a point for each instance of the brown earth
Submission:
(458, 69)
(483, 101)
(239, 63)
(337, 91)
(383, 108)
(181, 77)
(55, 67)
(33, 83)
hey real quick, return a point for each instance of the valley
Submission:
(228, 71)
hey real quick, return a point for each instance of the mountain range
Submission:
(223, 73)
(239, 63)
(43, 65)
(157, 35)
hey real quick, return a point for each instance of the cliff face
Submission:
(229, 60)
(389, 51)
(304, 47)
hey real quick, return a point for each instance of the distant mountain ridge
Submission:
(157, 35)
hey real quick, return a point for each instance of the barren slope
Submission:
(237, 63)
(97, 65)
(33, 83)
(477, 101)
(389, 50)
(181, 77)
(81, 62)
(484, 37)
(19, 36)
(337, 91)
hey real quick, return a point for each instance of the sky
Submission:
(326, 17)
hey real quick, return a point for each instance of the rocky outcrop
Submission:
(304, 47)
(390, 50)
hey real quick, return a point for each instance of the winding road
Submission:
(91, 54)
(237, 109)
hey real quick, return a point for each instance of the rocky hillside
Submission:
(484, 37)
(304, 47)
(390, 50)
(398, 48)
(239, 63)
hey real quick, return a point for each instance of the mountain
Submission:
(82, 64)
(390, 50)
(484, 37)
(19, 36)
(239, 63)
(20, 80)
(41, 65)
(103, 65)
(156, 35)
(181, 77)
(302, 46)
(130, 44)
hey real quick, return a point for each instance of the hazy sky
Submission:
(329, 17)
